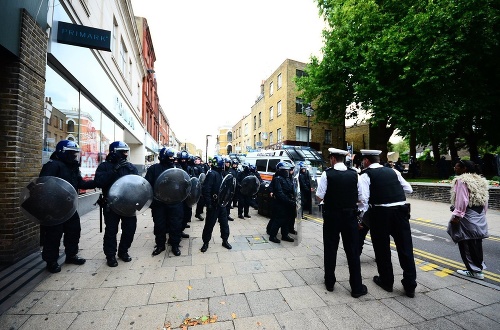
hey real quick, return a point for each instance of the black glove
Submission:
(120, 164)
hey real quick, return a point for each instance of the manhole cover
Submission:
(256, 239)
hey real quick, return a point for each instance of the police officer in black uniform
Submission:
(210, 191)
(253, 199)
(243, 201)
(229, 170)
(198, 168)
(284, 204)
(166, 217)
(234, 171)
(63, 164)
(182, 159)
(305, 189)
(383, 190)
(338, 188)
(116, 166)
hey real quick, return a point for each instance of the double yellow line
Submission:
(429, 256)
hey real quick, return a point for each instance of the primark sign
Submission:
(83, 36)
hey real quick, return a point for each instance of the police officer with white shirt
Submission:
(338, 189)
(383, 190)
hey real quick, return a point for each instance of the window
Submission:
(130, 73)
(254, 122)
(271, 113)
(260, 119)
(272, 164)
(300, 73)
(328, 136)
(229, 136)
(114, 33)
(279, 107)
(271, 139)
(261, 165)
(246, 130)
(123, 57)
(299, 108)
(280, 81)
(60, 124)
(278, 134)
(271, 88)
(301, 133)
(71, 126)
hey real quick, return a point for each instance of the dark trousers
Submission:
(52, 238)
(471, 251)
(393, 221)
(167, 218)
(306, 202)
(200, 205)
(281, 218)
(243, 204)
(128, 226)
(363, 231)
(213, 214)
(186, 215)
(336, 223)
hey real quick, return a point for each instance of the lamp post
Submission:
(309, 113)
(206, 149)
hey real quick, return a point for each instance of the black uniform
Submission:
(166, 217)
(339, 218)
(243, 201)
(51, 235)
(284, 205)
(187, 211)
(305, 191)
(385, 188)
(106, 174)
(197, 170)
(215, 212)
(234, 173)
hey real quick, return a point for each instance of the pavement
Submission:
(256, 285)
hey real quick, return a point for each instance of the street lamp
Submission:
(309, 113)
(206, 149)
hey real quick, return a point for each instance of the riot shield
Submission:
(298, 204)
(226, 190)
(249, 186)
(202, 177)
(172, 186)
(130, 195)
(48, 200)
(194, 192)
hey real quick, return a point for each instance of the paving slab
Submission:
(220, 269)
(128, 296)
(300, 319)
(122, 278)
(206, 288)
(403, 311)
(261, 302)
(477, 292)
(240, 284)
(85, 280)
(249, 267)
(230, 307)
(276, 265)
(379, 316)
(157, 275)
(293, 278)
(102, 320)
(425, 306)
(312, 275)
(189, 272)
(169, 292)
(301, 262)
(472, 320)
(261, 322)
(271, 280)
(51, 302)
(49, 321)
(88, 300)
(143, 317)
(491, 311)
(301, 297)
(453, 300)
(178, 311)
(13, 321)
(340, 317)
(438, 324)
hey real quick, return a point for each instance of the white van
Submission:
(265, 161)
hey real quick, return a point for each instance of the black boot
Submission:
(158, 250)
(124, 256)
(111, 261)
(274, 239)
(75, 260)
(53, 267)
(287, 239)
(176, 251)
(204, 248)
(226, 244)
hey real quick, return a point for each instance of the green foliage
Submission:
(496, 178)
(428, 68)
(425, 155)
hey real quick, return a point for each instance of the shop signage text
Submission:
(83, 36)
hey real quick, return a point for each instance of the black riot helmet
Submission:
(167, 155)
(67, 150)
(183, 155)
(119, 149)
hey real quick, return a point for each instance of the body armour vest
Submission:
(342, 189)
(385, 187)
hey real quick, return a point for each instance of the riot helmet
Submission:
(234, 162)
(246, 167)
(252, 168)
(67, 151)
(119, 150)
(218, 162)
(282, 168)
(166, 155)
(183, 155)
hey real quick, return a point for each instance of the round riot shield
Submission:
(226, 191)
(194, 192)
(130, 195)
(172, 186)
(202, 177)
(48, 200)
(249, 186)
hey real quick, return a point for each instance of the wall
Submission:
(22, 86)
(440, 192)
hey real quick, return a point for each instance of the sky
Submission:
(212, 55)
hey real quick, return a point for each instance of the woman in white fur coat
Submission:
(468, 226)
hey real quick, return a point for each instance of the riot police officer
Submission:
(182, 159)
(166, 217)
(284, 204)
(305, 189)
(63, 164)
(198, 168)
(229, 170)
(243, 201)
(215, 212)
(116, 166)
(234, 171)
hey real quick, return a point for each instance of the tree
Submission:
(428, 68)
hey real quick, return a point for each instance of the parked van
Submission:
(265, 161)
